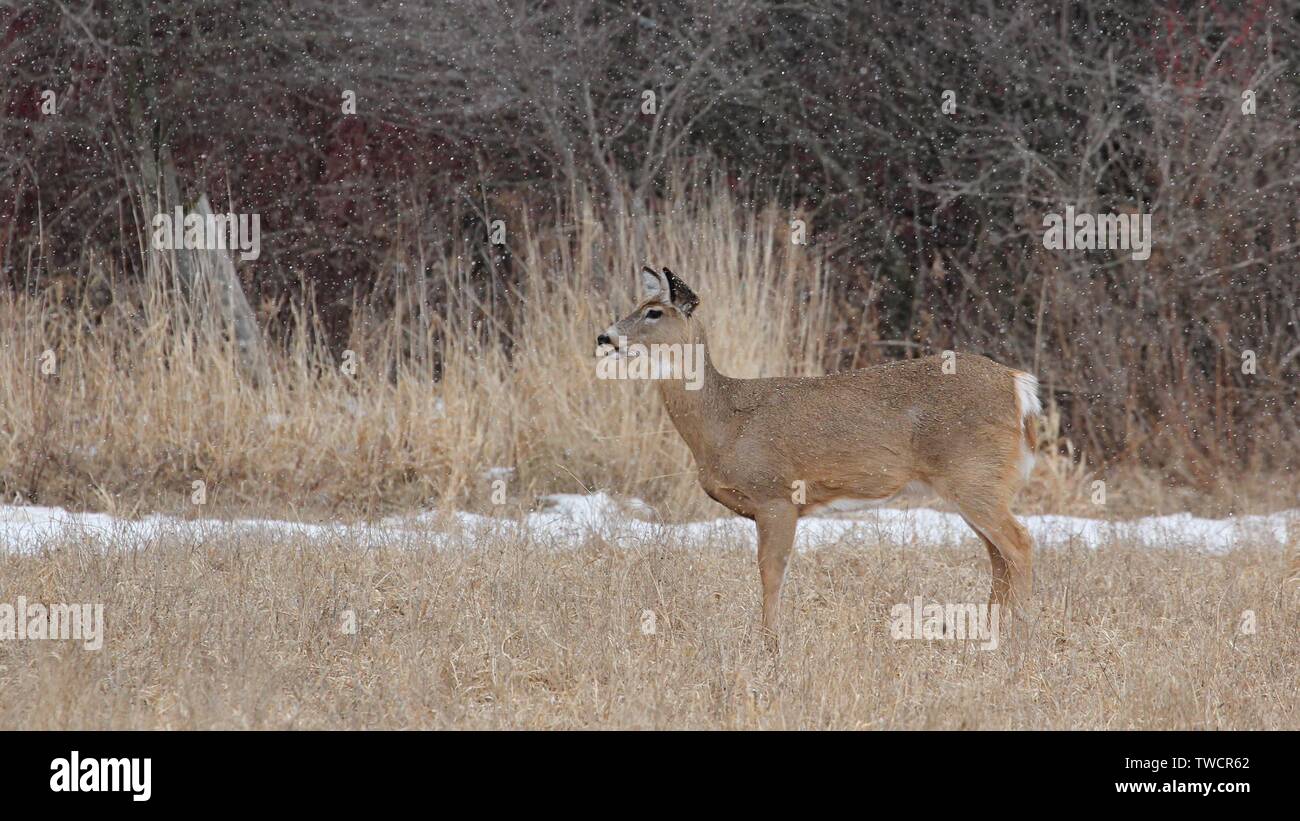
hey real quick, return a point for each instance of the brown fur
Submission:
(863, 435)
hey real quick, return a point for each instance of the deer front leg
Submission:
(776, 527)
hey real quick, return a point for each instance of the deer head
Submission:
(663, 316)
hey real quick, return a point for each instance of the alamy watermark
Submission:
(128, 775)
(659, 360)
(33, 621)
(208, 232)
(916, 621)
(1090, 232)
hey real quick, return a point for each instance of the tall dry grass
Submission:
(145, 395)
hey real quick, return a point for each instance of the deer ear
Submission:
(682, 297)
(654, 286)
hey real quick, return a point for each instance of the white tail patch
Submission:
(1027, 405)
(1027, 401)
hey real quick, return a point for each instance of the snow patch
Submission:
(566, 520)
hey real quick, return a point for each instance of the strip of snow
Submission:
(567, 520)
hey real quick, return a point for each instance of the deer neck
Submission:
(701, 415)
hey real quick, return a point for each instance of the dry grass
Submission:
(452, 380)
(245, 632)
(147, 399)
(242, 631)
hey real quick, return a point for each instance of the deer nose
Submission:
(603, 339)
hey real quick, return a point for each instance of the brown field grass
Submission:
(452, 381)
(246, 631)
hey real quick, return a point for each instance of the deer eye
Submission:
(653, 313)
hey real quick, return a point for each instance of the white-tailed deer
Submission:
(775, 449)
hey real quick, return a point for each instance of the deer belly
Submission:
(850, 504)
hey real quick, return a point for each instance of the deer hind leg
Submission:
(776, 528)
(1001, 570)
(1013, 562)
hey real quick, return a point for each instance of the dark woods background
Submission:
(933, 222)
